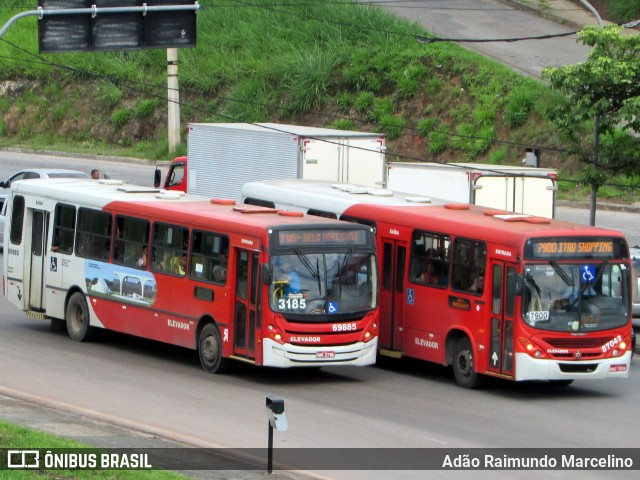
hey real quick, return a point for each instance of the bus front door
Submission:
(245, 317)
(37, 259)
(503, 294)
(392, 296)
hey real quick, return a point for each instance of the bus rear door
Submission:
(392, 295)
(503, 294)
(246, 318)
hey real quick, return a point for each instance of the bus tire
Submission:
(463, 366)
(210, 350)
(77, 318)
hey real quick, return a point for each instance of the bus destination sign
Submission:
(330, 237)
(578, 248)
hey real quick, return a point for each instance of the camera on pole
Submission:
(277, 420)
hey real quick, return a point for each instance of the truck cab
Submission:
(176, 178)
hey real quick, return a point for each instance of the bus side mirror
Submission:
(157, 178)
(267, 275)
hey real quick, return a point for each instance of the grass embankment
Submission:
(14, 436)
(327, 64)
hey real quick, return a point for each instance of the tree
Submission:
(604, 92)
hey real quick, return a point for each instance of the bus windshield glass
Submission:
(572, 297)
(321, 284)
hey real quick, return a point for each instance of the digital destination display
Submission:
(332, 237)
(575, 248)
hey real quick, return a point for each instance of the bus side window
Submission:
(429, 259)
(93, 234)
(131, 242)
(169, 252)
(469, 262)
(17, 219)
(209, 255)
(64, 228)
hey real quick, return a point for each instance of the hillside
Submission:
(326, 64)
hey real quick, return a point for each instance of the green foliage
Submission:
(25, 131)
(249, 101)
(433, 85)
(364, 101)
(604, 88)
(5, 104)
(344, 101)
(108, 93)
(146, 107)
(485, 114)
(392, 125)
(308, 78)
(381, 107)
(439, 140)
(60, 111)
(519, 104)
(460, 113)
(427, 125)
(17, 436)
(121, 117)
(623, 11)
(343, 124)
(409, 81)
(498, 156)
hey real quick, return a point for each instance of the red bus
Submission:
(488, 292)
(231, 281)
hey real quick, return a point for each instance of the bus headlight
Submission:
(274, 333)
(531, 348)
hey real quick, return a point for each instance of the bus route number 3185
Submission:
(292, 304)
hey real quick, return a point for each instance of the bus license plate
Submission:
(325, 354)
(618, 368)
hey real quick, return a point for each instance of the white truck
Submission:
(516, 189)
(222, 157)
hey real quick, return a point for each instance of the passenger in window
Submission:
(220, 270)
(430, 275)
(181, 265)
(477, 285)
(289, 277)
(144, 258)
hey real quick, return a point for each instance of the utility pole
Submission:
(173, 99)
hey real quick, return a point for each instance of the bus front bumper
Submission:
(528, 368)
(287, 355)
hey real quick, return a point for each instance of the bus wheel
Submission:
(210, 350)
(77, 317)
(463, 368)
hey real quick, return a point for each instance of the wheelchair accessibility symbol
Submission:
(410, 296)
(333, 307)
(53, 264)
(588, 273)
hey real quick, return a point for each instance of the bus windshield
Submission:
(320, 284)
(576, 297)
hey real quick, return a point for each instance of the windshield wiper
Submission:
(315, 272)
(563, 275)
